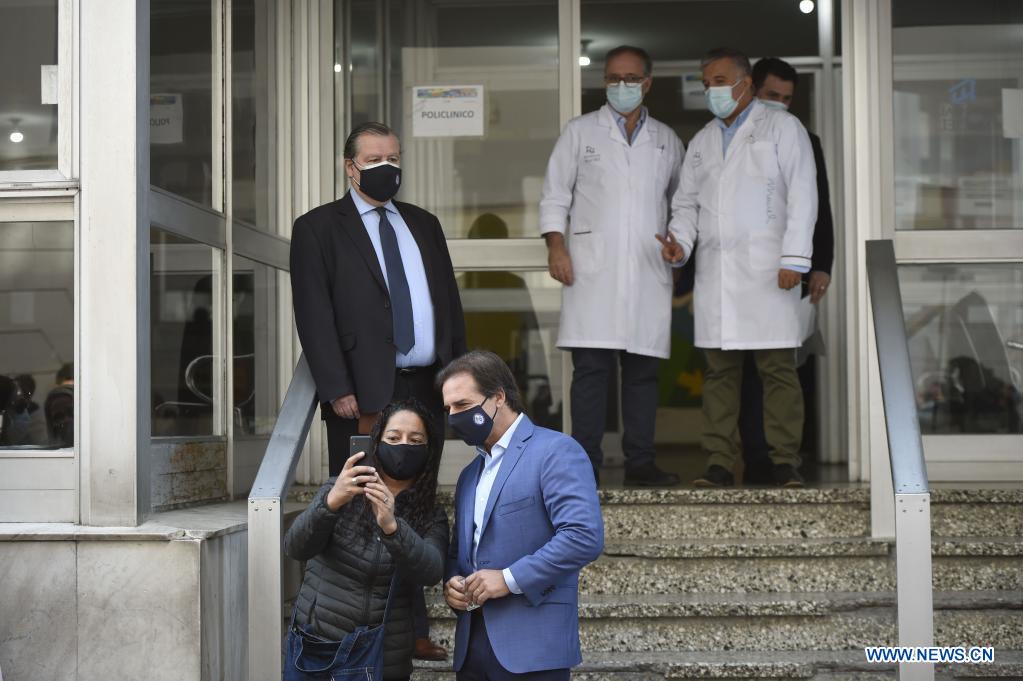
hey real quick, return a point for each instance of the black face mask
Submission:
(473, 425)
(379, 182)
(402, 462)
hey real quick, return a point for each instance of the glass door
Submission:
(958, 124)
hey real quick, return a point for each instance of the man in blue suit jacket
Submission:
(527, 519)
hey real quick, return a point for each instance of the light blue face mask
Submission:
(625, 97)
(774, 104)
(720, 100)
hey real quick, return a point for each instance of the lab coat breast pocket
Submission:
(763, 159)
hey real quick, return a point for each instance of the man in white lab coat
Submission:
(748, 196)
(605, 197)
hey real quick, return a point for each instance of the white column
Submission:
(869, 213)
(113, 263)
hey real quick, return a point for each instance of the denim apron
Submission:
(359, 656)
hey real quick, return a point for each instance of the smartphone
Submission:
(362, 443)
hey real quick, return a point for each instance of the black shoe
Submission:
(716, 476)
(786, 475)
(649, 475)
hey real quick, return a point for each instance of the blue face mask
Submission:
(774, 104)
(473, 425)
(625, 97)
(720, 100)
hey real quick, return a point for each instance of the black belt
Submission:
(406, 371)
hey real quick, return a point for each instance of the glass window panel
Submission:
(256, 397)
(28, 114)
(251, 112)
(365, 61)
(181, 99)
(515, 314)
(958, 104)
(37, 318)
(511, 49)
(964, 324)
(184, 361)
(684, 31)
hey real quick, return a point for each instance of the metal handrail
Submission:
(266, 517)
(906, 455)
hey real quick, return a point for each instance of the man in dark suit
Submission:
(774, 82)
(376, 303)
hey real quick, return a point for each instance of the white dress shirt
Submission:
(491, 465)
(423, 353)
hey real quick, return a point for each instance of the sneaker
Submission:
(649, 475)
(716, 476)
(786, 475)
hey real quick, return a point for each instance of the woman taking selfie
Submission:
(369, 533)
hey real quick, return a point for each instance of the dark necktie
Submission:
(397, 284)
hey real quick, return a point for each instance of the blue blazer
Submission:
(542, 521)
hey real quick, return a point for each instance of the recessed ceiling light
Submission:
(806, 6)
(337, 68)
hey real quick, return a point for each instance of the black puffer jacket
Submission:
(347, 577)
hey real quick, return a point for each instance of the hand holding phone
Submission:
(364, 444)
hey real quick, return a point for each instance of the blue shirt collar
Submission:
(739, 120)
(363, 206)
(620, 119)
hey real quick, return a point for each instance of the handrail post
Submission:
(266, 522)
(905, 450)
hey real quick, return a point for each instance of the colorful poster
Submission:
(447, 111)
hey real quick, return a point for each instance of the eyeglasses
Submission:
(629, 78)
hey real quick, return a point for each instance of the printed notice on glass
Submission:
(447, 111)
(693, 98)
(1012, 113)
(166, 119)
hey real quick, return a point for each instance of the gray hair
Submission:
(490, 373)
(737, 57)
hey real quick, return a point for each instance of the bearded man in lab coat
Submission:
(605, 197)
(748, 196)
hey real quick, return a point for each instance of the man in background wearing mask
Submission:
(605, 199)
(527, 520)
(376, 303)
(774, 82)
(748, 196)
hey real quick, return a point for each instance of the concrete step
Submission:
(746, 665)
(775, 622)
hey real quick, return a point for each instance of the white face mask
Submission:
(774, 104)
(720, 100)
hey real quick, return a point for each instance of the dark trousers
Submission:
(417, 384)
(590, 375)
(481, 664)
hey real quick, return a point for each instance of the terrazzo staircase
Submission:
(781, 584)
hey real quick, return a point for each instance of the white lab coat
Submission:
(609, 199)
(751, 213)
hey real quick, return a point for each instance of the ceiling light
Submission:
(337, 68)
(584, 60)
(806, 6)
(17, 137)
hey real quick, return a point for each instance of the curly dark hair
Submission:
(418, 503)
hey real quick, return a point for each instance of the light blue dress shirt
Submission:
(423, 353)
(727, 135)
(620, 120)
(491, 465)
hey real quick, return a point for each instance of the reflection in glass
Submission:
(255, 347)
(28, 111)
(958, 114)
(965, 329)
(37, 317)
(364, 67)
(515, 314)
(511, 49)
(181, 99)
(184, 360)
(250, 111)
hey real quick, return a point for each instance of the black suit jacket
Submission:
(824, 231)
(343, 310)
